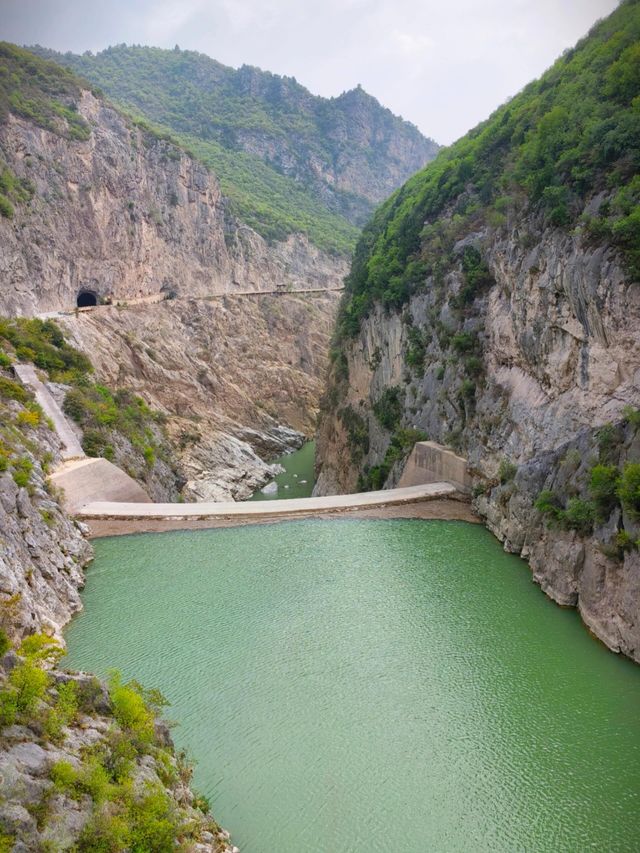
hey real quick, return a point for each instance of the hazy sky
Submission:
(442, 64)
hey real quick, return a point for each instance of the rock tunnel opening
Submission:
(86, 298)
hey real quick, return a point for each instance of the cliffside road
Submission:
(155, 298)
(71, 446)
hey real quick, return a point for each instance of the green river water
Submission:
(297, 479)
(360, 686)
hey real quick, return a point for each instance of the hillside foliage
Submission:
(272, 143)
(41, 91)
(567, 136)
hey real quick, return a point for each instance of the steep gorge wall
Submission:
(125, 214)
(521, 382)
(239, 378)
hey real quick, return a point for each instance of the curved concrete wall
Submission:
(433, 463)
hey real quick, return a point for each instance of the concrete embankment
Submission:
(84, 481)
(270, 509)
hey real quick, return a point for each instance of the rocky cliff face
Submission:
(548, 357)
(494, 306)
(125, 215)
(239, 378)
(43, 553)
(129, 217)
(68, 742)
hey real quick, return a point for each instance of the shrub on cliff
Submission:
(603, 485)
(629, 489)
(388, 407)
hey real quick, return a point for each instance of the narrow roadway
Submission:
(72, 449)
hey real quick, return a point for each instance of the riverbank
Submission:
(447, 509)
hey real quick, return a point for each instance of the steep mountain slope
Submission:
(494, 304)
(259, 130)
(90, 202)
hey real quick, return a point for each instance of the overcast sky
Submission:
(442, 64)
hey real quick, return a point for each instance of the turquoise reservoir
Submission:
(359, 686)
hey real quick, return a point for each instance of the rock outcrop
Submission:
(239, 378)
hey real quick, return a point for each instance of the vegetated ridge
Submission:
(493, 305)
(289, 161)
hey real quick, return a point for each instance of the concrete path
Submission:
(71, 447)
(266, 509)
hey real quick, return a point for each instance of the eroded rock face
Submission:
(125, 215)
(239, 378)
(527, 374)
(42, 552)
(128, 217)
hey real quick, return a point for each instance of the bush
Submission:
(631, 416)
(603, 485)
(63, 712)
(41, 648)
(388, 408)
(22, 472)
(629, 489)
(130, 709)
(30, 418)
(507, 471)
(6, 208)
(579, 516)
(30, 683)
(357, 430)
(549, 505)
(464, 342)
(11, 390)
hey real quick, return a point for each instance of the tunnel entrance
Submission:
(86, 298)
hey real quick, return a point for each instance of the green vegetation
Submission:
(629, 489)
(388, 408)
(123, 814)
(262, 134)
(13, 189)
(401, 445)
(357, 430)
(507, 471)
(101, 412)
(106, 417)
(42, 343)
(40, 91)
(573, 132)
(603, 486)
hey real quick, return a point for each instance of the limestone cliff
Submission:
(97, 204)
(493, 305)
(126, 215)
(347, 152)
(239, 378)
